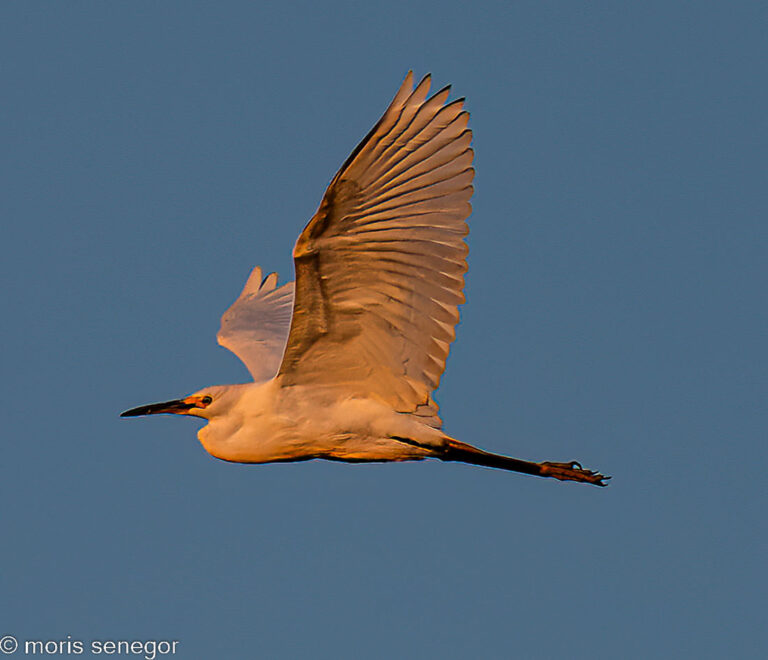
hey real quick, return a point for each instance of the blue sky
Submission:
(153, 153)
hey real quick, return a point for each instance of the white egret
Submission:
(345, 359)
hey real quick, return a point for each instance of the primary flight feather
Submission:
(345, 359)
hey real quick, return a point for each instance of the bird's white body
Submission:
(266, 422)
(345, 359)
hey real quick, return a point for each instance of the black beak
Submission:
(177, 406)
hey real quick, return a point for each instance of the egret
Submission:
(345, 359)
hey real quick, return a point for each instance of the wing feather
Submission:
(255, 327)
(380, 266)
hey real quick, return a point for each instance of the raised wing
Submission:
(380, 267)
(255, 327)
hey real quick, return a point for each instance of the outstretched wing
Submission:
(255, 327)
(380, 267)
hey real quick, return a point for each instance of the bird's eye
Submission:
(207, 399)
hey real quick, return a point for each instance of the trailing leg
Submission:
(572, 471)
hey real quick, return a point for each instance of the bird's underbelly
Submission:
(353, 430)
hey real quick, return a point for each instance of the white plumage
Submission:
(255, 327)
(345, 359)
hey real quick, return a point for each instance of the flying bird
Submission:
(345, 359)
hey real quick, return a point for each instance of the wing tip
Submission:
(270, 282)
(258, 282)
(254, 281)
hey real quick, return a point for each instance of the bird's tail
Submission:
(571, 471)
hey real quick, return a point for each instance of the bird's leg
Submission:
(572, 471)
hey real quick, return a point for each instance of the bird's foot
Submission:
(572, 471)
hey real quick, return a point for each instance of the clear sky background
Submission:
(154, 152)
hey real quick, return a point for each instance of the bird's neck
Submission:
(233, 435)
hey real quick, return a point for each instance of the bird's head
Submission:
(206, 403)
